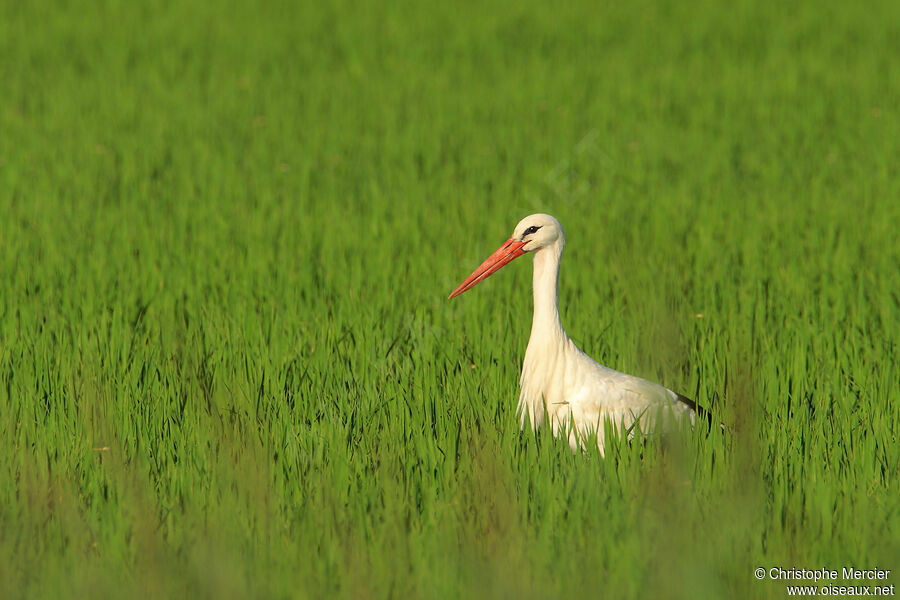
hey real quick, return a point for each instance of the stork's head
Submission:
(537, 231)
(530, 235)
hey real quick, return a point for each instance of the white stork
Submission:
(560, 381)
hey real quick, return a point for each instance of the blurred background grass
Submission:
(227, 365)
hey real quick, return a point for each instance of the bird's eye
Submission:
(530, 230)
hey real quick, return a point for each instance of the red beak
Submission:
(510, 249)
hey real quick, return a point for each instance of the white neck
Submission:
(545, 323)
(547, 346)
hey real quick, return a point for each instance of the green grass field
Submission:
(228, 368)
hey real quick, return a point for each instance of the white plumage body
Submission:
(559, 382)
